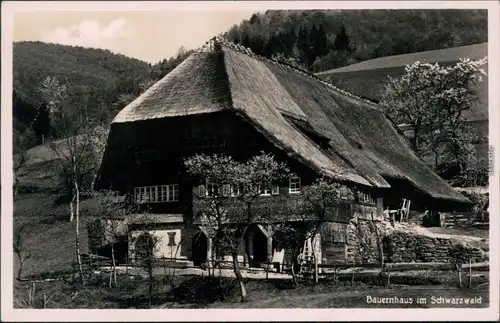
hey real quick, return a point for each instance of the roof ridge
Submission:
(245, 50)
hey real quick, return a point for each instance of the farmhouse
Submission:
(368, 79)
(225, 99)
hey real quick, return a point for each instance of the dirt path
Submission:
(424, 231)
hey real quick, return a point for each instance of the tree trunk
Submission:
(380, 245)
(16, 184)
(72, 209)
(150, 274)
(294, 275)
(316, 276)
(150, 293)
(296, 253)
(239, 277)
(20, 270)
(114, 261)
(113, 267)
(77, 230)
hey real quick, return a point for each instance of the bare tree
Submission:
(228, 199)
(80, 149)
(110, 212)
(19, 248)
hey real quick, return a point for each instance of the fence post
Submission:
(470, 273)
(388, 277)
(164, 265)
(352, 278)
(459, 267)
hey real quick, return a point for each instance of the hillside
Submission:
(101, 75)
(368, 78)
(322, 40)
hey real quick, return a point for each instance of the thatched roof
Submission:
(368, 78)
(364, 147)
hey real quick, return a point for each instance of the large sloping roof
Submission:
(365, 148)
(368, 78)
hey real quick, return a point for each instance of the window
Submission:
(212, 189)
(269, 189)
(157, 194)
(207, 143)
(171, 239)
(235, 191)
(363, 197)
(265, 190)
(294, 187)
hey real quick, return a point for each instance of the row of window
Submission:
(157, 194)
(170, 193)
(211, 189)
(365, 198)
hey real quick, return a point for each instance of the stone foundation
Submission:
(363, 245)
(362, 240)
(410, 247)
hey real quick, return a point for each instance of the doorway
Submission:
(199, 248)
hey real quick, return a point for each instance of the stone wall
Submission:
(410, 247)
(363, 245)
(362, 240)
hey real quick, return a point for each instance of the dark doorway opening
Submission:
(259, 248)
(199, 248)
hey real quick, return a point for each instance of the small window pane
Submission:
(294, 185)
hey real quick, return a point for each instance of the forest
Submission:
(322, 40)
(314, 40)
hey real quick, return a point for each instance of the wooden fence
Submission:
(458, 219)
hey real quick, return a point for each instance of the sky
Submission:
(147, 35)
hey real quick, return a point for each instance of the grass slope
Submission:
(41, 208)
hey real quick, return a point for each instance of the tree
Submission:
(108, 217)
(22, 141)
(342, 41)
(319, 200)
(432, 100)
(19, 248)
(229, 198)
(146, 258)
(319, 41)
(280, 57)
(80, 150)
(53, 94)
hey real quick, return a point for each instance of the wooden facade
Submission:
(154, 155)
